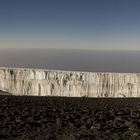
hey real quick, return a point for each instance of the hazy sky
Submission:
(71, 59)
(88, 24)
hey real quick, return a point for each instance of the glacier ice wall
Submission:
(43, 82)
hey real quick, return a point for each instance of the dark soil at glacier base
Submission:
(61, 118)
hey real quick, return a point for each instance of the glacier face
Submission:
(43, 82)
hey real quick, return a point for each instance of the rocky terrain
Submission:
(61, 118)
(43, 82)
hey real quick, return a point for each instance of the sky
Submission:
(76, 24)
(71, 59)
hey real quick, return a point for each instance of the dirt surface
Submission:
(57, 118)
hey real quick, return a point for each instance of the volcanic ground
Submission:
(64, 118)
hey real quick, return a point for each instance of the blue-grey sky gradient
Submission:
(80, 24)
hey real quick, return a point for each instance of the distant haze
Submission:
(68, 59)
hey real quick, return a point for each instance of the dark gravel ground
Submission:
(59, 118)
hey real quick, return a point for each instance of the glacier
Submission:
(45, 82)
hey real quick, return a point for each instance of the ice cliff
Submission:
(43, 82)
